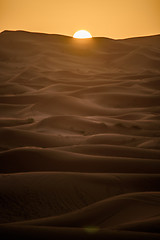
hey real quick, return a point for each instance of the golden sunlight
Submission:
(82, 34)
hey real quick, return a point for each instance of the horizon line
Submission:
(63, 35)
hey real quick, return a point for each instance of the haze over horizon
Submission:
(105, 18)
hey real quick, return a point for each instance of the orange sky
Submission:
(109, 18)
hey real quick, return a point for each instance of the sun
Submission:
(82, 34)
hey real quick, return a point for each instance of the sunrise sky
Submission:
(108, 18)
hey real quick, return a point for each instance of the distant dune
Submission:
(79, 137)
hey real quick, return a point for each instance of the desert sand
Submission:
(79, 137)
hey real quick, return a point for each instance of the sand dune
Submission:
(72, 190)
(107, 213)
(37, 159)
(79, 137)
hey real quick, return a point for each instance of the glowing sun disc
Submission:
(82, 34)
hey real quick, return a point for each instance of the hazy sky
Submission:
(109, 18)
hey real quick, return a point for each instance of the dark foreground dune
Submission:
(79, 137)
